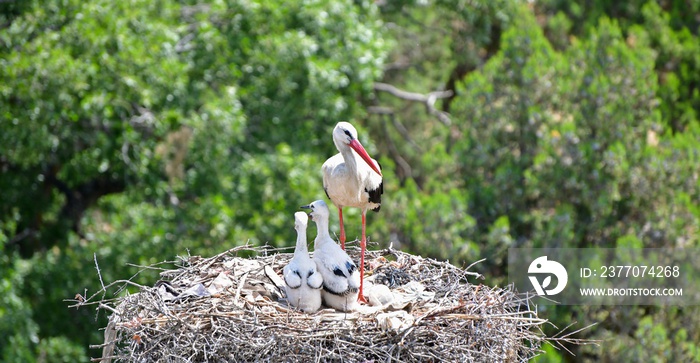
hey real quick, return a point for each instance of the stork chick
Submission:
(303, 281)
(341, 280)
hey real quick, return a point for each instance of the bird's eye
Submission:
(348, 133)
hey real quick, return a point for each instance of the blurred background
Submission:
(136, 131)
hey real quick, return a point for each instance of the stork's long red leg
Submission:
(342, 228)
(363, 246)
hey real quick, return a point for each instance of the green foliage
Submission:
(18, 332)
(437, 217)
(671, 31)
(563, 146)
(660, 337)
(133, 132)
(678, 63)
(153, 128)
(500, 117)
(60, 349)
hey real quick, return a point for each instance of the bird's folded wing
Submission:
(292, 278)
(315, 281)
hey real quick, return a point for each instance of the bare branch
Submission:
(400, 161)
(99, 274)
(380, 110)
(428, 100)
(410, 96)
(404, 132)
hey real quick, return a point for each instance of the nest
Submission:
(232, 309)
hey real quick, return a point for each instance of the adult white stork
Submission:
(341, 279)
(352, 178)
(303, 281)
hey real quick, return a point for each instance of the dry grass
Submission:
(231, 309)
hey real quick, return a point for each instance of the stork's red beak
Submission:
(360, 150)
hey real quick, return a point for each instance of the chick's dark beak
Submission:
(311, 217)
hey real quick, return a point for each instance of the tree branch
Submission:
(39, 235)
(428, 100)
(404, 166)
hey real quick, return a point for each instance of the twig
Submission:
(97, 267)
(400, 161)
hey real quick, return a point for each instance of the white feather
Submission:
(346, 176)
(341, 278)
(303, 280)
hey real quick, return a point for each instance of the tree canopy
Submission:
(133, 132)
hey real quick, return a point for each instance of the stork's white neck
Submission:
(301, 242)
(323, 234)
(350, 158)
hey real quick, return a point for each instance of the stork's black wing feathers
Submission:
(375, 195)
(350, 266)
(338, 272)
(293, 286)
(339, 293)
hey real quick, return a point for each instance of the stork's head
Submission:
(344, 136)
(318, 210)
(301, 220)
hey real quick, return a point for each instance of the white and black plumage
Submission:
(352, 178)
(341, 279)
(303, 280)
